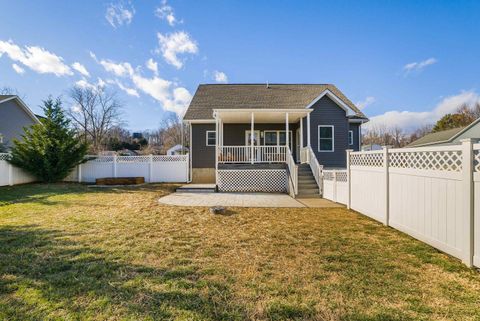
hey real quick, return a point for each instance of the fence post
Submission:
(150, 168)
(10, 174)
(114, 165)
(387, 186)
(467, 180)
(334, 186)
(349, 187)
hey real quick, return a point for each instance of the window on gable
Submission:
(211, 138)
(325, 138)
(350, 137)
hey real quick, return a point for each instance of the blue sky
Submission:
(404, 62)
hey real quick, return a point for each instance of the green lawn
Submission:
(72, 252)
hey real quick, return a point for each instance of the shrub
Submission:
(51, 149)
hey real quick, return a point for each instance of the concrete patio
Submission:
(242, 200)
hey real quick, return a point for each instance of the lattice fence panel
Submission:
(341, 176)
(427, 160)
(476, 160)
(4, 156)
(367, 159)
(328, 175)
(271, 180)
(99, 159)
(170, 158)
(133, 159)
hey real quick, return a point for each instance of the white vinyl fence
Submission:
(431, 193)
(154, 168)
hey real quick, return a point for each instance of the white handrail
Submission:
(315, 166)
(293, 171)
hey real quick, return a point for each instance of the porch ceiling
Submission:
(260, 115)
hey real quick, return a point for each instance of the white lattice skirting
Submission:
(252, 180)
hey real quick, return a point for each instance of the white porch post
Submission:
(216, 149)
(308, 130)
(301, 133)
(252, 152)
(287, 140)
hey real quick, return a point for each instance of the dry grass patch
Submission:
(72, 252)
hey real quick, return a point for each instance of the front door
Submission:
(256, 137)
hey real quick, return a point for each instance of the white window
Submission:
(350, 137)
(211, 138)
(325, 138)
(277, 138)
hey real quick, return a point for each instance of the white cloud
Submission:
(220, 76)
(411, 120)
(152, 65)
(165, 12)
(172, 97)
(18, 69)
(366, 102)
(418, 66)
(129, 91)
(81, 69)
(36, 58)
(173, 44)
(118, 14)
(83, 83)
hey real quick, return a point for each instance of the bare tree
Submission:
(95, 112)
(171, 132)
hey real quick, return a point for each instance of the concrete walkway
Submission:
(230, 199)
(243, 200)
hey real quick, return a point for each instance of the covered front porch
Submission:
(259, 150)
(260, 136)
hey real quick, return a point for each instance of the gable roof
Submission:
(258, 96)
(436, 138)
(28, 111)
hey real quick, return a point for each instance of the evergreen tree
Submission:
(49, 150)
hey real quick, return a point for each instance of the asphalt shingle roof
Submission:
(432, 138)
(2, 97)
(277, 96)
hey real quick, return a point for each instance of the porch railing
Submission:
(245, 154)
(292, 173)
(308, 156)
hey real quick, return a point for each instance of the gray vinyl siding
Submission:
(327, 112)
(203, 156)
(356, 142)
(12, 120)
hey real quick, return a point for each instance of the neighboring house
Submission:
(321, 121)
(449, 137)
(371, 147)
(177, 150)
(14, 116)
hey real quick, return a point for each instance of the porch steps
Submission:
(307, 186)
(197, 188)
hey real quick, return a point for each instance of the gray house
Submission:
(14, 116)
(449, 136)
(239, 141)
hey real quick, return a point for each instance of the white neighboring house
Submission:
(14, 116)
(177, 150)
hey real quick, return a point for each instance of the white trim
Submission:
(206, 136)
(359, 138)
(263, 110)
(350, 138)
(336, 99)
(357, 121)
(24, 107)
(201, 121)
(333, 139)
